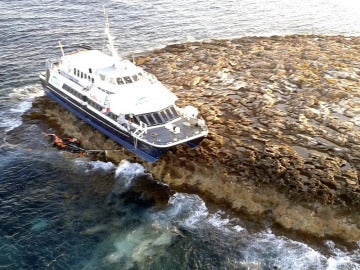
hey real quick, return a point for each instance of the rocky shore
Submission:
(284, 129)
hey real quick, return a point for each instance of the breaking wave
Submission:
(187, 224)
(128, 234)
(29, 92)
(126, 172)
(95, 166)
(185, 210)
(16, 104)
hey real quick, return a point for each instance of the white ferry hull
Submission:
(122, 101)
(145, 151)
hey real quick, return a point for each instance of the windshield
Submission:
(129, 79)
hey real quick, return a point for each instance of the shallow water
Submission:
(58, 212)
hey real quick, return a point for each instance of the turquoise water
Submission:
(58, 212)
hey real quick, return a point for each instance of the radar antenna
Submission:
(110, 38)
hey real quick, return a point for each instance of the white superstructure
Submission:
(121, 100)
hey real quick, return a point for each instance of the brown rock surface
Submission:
(284, 121)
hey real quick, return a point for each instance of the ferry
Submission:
(121, 100)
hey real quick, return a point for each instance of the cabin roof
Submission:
(100, 62)
(88, 58)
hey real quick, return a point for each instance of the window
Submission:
(127, 79)
(119, 81)
(163, 114)
(68, 88)
(174, 111)
(157, 118)
(151, 120)
(112, 116)
(135, 78)
(73, 91)
(142, 118)
(169, 113)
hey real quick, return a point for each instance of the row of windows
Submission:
(123, 80)
(90, 102)
(100, 109)
(83, 75)
(129, 79)
(113, 116)
(158, 118)
(94, 105)
(119, 80)
(72, 91)
(66, 75)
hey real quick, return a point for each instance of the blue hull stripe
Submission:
(149, 157)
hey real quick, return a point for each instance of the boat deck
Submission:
(162, 136)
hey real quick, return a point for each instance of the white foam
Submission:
(126, 172)
(217, 220)
(225, 224)
(29, 92)
(20, 102)
(190, 211)
(284, 253)
(238, 228)
(342, 259)
(93, 166)
(11, 118)
(22, 107)
(281, 252)
(9, 123)
(183, 209)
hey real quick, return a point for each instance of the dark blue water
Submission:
(60, 212)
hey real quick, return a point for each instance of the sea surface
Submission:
(61, 212)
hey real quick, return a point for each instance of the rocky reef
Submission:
(284, 128)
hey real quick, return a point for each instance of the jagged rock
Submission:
(283, 115)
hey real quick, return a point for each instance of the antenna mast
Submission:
(61, 48)
(113, 51)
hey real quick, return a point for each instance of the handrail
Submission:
(141, 130)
